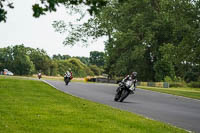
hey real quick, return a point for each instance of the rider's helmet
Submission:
(133, 74)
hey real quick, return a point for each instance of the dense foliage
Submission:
(156, 38)
(23, 60)
(97, 58)
(3, 5)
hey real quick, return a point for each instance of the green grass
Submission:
(59, 78)
(28, 106)
(186, 92)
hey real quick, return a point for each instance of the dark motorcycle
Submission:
(124, 89)
(67, 80)
(39, 75)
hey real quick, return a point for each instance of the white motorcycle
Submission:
(124, 89)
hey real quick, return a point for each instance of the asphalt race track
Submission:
(178, 111)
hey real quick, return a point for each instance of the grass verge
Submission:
(185, 92)
(60, 78)
(28, 106)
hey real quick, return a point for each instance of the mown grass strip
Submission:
(60, 78)
(185, 92)
(28, 106)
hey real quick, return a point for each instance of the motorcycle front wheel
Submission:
(66, 81)
(118, 94)
(124, 95)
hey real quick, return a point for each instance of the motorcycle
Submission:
(39, 75)
(125, 89)
(67, 79)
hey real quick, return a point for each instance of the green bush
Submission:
(96, 70)
(63, 66)
(88, 71)
(77, 67)
(194, 84)
(167, 79)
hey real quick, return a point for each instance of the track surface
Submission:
(178, 111)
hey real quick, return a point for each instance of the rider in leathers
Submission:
(131, 77)
(68, 74)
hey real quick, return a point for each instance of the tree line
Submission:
(23, 60)
(159, 39)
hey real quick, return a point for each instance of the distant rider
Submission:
(39, 75)
(68, 74)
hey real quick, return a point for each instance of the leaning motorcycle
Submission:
(124, 89)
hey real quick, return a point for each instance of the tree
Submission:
(77, 67)
(63, 66)
(84, 60)
(138, 30)
(61, 57)
(10, 58)
(53, 68)
(22, 65)
(156, 38)
(96, 70)
(96, 58)
(6, 58)
(40, 59)
(150, 26)
(3, 12)
(52, 5)
(165, 66)
(23, 60)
